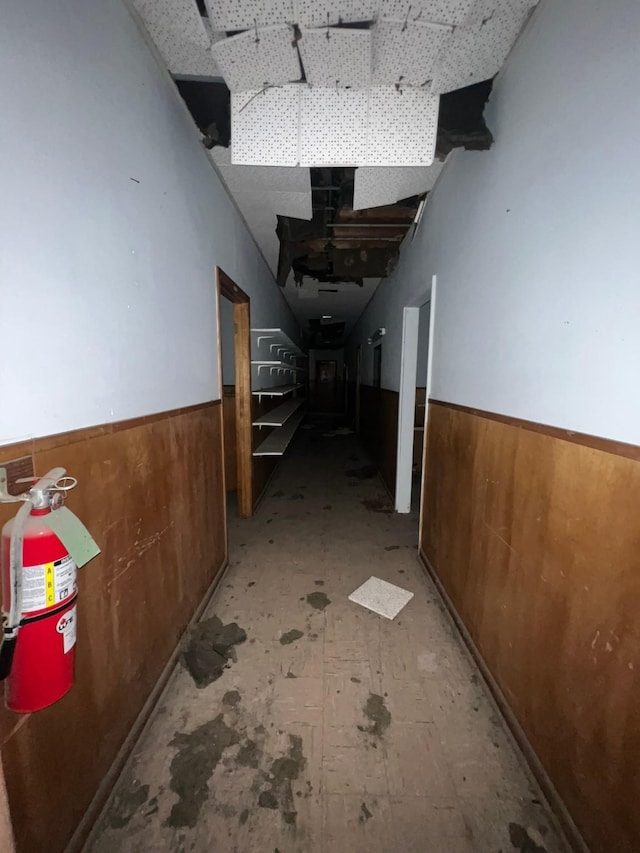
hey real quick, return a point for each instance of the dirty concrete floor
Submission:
(335, 731)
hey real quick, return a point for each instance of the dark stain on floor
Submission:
(365, 814)
(378, 715)
(392, 548)
(231, 698)
(521, 840)
(126, 803)
(282, 773)
(377, 504)
(267, 800)
(297, 496)
(291, 637)
(318, 600)
(366, 472)
(249, 754)
(199, 753)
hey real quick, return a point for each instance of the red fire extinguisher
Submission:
(39, 594)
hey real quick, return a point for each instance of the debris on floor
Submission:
(209, 649)
(366, 472)
(378, 504)
(318, 600)
(341, 730)
(378, 715)
(198, 754)
(291, 636)
(384, 598)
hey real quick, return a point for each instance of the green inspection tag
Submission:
(73, 534)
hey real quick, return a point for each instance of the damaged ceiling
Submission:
(331, 123)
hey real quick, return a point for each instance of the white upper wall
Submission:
(112, 220)
(535, 242)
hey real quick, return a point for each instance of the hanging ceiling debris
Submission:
(324, 244)
(334, 120)
(340, 244)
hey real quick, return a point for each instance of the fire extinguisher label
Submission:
(67, 627)
(47, 584)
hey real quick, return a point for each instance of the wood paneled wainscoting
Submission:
(379, 430)
(151, 491)
(533, 534)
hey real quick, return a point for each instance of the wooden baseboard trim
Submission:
(83, 836)
(565, 821)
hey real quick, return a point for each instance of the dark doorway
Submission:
(326, 385)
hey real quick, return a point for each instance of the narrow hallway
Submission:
(335, 729)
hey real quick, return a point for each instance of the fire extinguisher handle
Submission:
(6, 656)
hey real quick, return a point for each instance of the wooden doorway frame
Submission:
(227, 288)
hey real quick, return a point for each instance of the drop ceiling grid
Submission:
(407, 52)
(245, 14)
(333, 126)
(251, 61)
(402, 127)
(323, 13)
(264, 127)
(341, 59)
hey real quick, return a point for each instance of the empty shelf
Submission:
(276, 390)
(279, 339)
(280, 415)
(277, 441)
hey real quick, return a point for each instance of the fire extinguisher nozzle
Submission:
(7, 650)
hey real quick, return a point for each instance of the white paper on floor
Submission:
(385, 599)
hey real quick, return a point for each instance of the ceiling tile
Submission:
(407, 52)
(245, 14)
(324, 13)
(251, 60)
(402, 127)
(336, 57)
(333, 124)
(452, 12)
(296, 179)
(477, 51)
(170, 21)
(264, 127)
(297, 205)
(375, 186)
(192, 60)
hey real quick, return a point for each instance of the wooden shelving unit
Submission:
(278, 440)
(275, 355)
(276, 390)
(280, 415)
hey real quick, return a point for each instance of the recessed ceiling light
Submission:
(326, 316)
